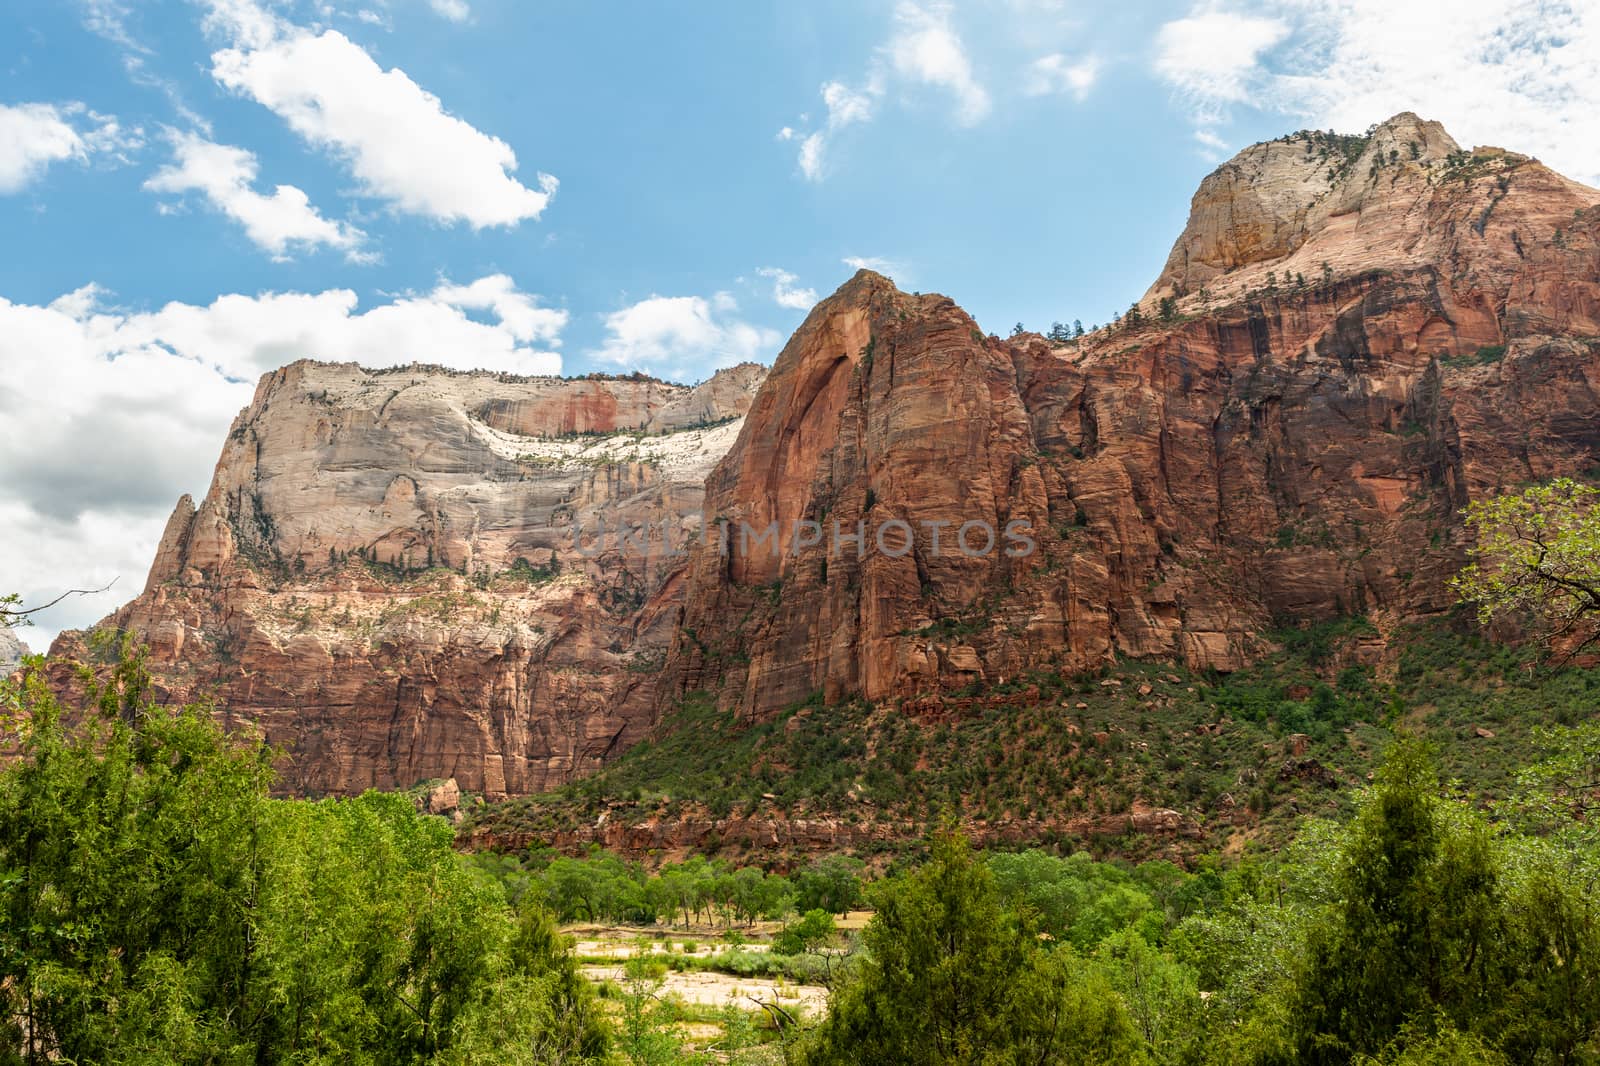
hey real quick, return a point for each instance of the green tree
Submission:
(809, 932)
(1418, 925)
(832, 884)
(952, 976)
(157, 906)
(1538, 556)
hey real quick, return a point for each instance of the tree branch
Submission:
(7, 614)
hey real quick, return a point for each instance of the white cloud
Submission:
(785, 293)
(925, 49)
(1213, 147)
(33, 136)
(454, 10)
(1210, 56)
(1055, 73)
(845, 105)
(890, 268)
(111, 414)
(1519, 74)
(225, 176)
(682, 337)
(397, 139)
(811, 150)
(518, 312)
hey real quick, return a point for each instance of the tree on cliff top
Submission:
(1538, 555)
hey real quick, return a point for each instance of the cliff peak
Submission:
(1320, 205)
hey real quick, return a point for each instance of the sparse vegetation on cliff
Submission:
(1070, 760)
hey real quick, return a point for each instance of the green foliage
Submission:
(604, 888)
(1213, 747)
(1411, 934)
(805, 934)
(1484, 356)
(1415, 925)
(1077, 900)
(832, 884)
(157, 906)
(1538, 555)
(953, 976)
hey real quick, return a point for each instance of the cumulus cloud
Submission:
(785, 290)
(519, 313)
(682, 337)
(1516, 73)
(112, 414)
(1211, 55)
(397, 139)
(810, 159)
(34, 136)
(274, 222)
(1057, 74)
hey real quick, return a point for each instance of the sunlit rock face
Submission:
(396, 575)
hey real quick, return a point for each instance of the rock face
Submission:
(413, 574)
(397, 576)
(1359, 336)
(11, 651)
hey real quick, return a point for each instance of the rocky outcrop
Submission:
(1353, 348)
(655, 838)
(11, 651)
(413, 574)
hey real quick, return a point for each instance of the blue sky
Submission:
(195, 191)
(662, 124)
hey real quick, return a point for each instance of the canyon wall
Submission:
(1353, 337)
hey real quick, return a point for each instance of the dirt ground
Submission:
(717, 989)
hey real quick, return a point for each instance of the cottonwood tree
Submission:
(1538, 556)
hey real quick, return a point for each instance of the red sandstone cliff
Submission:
(1360, 335)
